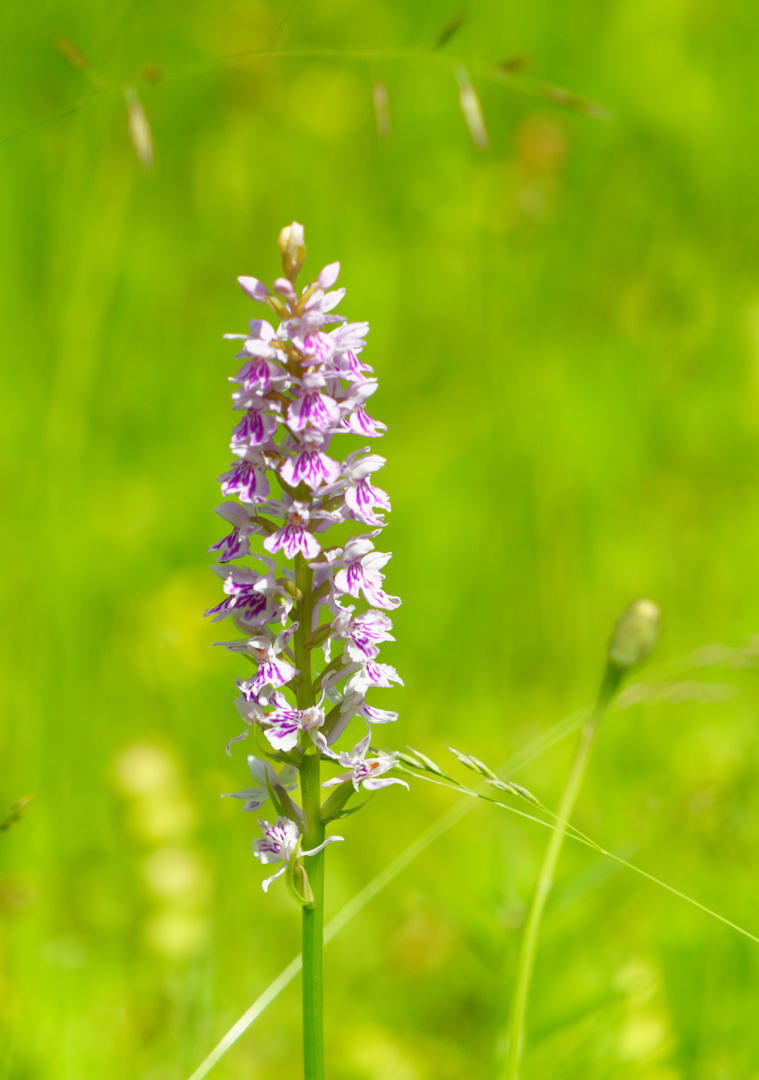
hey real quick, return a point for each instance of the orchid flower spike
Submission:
(292, 593)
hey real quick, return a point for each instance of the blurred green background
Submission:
(566, 330)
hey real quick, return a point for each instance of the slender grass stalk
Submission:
(516, 82)
(547, 870)
(634, 635)
(313, 836)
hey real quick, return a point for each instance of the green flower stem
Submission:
(611, 683)
(313, 835)
(313, 927)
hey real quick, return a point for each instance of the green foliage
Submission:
(566, 328)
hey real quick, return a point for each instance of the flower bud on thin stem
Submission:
(634, 636)
(635, 633)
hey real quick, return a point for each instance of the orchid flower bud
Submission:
(293, 247)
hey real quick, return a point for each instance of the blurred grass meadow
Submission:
(566, 331)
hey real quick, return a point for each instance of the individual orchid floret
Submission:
(284, 724)
(361, 497)
(294, 538)
(323, 301)
(257, 426)
(318, 348)
(362, 633)
(247, 477)
(349, 337)
(362, 770)
(259, 375)
(302, 331)
(266, 777)
(359, 572)
(237, 543)
(346, 365)
(372, 674)
(311, 406)
(310, 464)
(316, 300)
(249, 597)
(273, 669)
(260, 335)
(357, 395)
(279, 843)
(359, 422)
(263, 354)
(352, 406)
(312, 315)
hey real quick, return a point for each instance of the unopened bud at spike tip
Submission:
(293, 247)
(635, 633)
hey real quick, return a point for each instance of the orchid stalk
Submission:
(301, 385)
